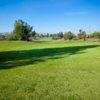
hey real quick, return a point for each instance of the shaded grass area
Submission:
(49, 70)
(11, 59)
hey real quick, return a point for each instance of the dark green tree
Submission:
(33, 34)
(22, 31)
(60, 35)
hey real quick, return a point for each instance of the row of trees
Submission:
(25, 32)
(82, 35)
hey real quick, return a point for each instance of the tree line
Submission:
(23, 31)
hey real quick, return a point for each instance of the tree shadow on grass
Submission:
(12, 59)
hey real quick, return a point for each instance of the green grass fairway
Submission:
(49, 70)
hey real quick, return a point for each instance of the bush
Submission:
(82, 35)
(68, 36)
(96, 35)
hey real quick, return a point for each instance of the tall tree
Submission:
(22, 31)
(82, 34)
(80, 30)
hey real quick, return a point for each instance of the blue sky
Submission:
(51, 15)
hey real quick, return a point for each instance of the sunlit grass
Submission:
(49, 70)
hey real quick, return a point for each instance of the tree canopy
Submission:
(22, 31)
(68, 35)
